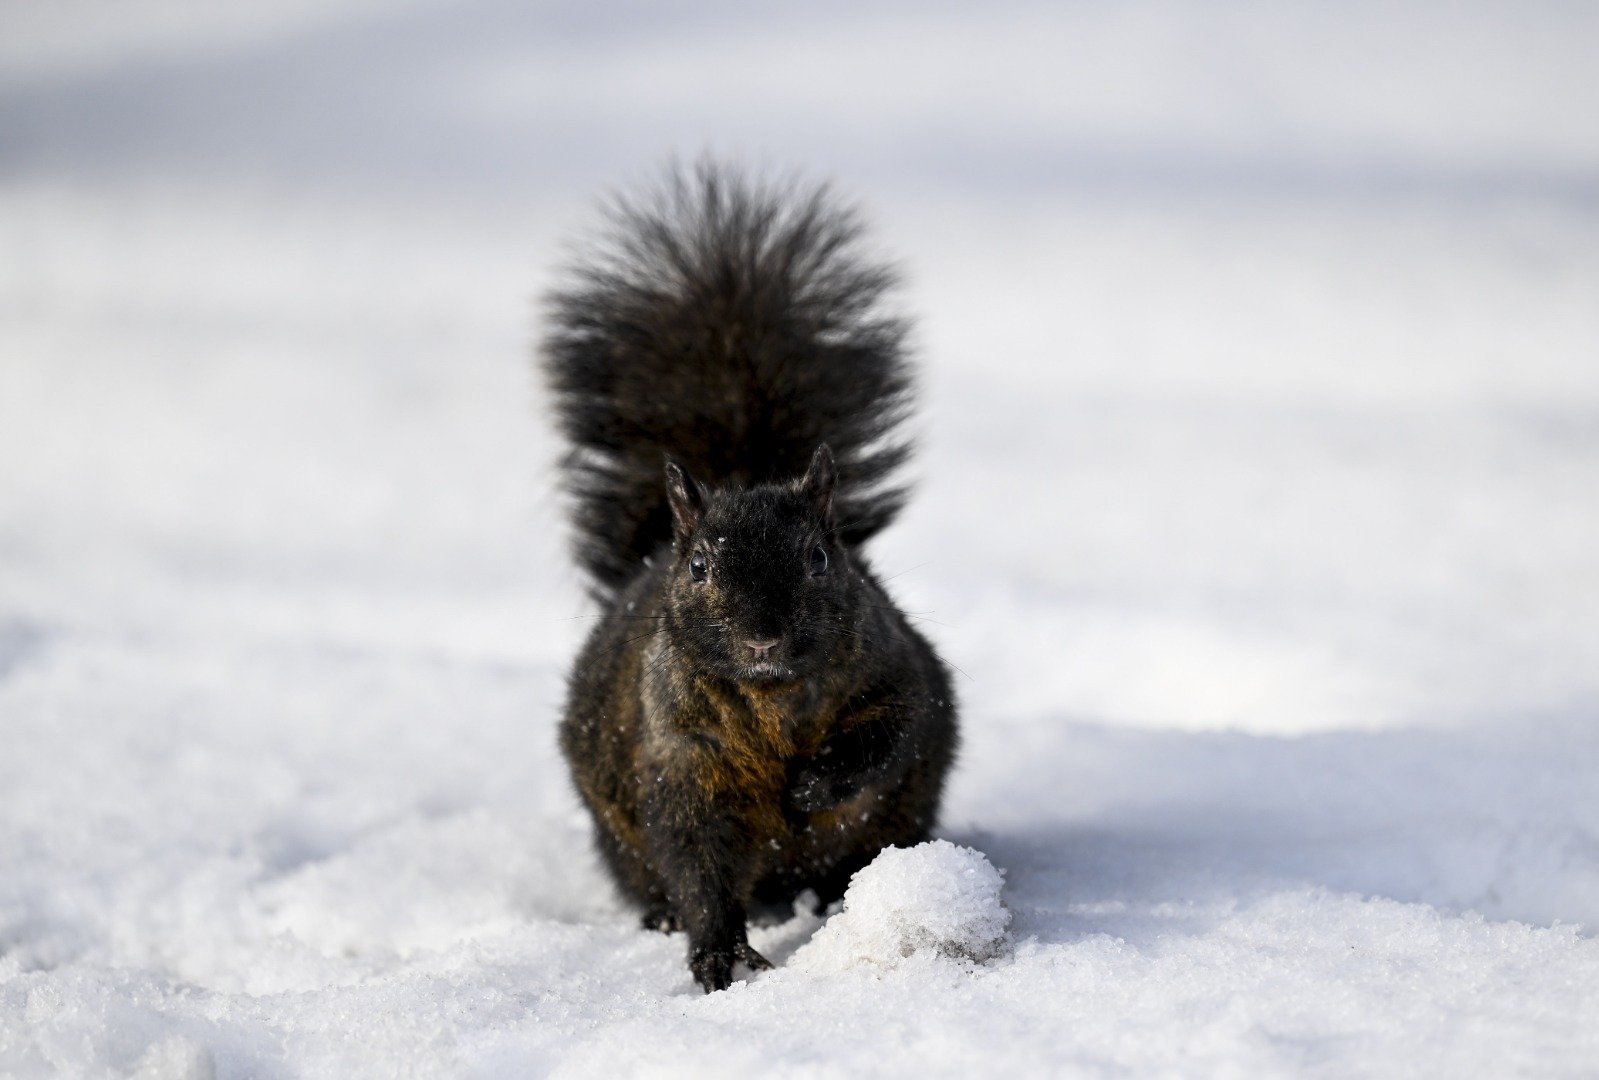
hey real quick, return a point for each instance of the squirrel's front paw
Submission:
(713, 968)
(814, 790)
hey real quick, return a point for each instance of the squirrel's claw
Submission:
(752, 959)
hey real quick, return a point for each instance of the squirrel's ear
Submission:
(686, 498)
(820, 480)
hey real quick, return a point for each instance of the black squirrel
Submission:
(752, 716)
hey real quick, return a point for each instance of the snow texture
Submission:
(935, 899)
(1257, 502)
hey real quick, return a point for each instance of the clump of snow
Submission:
(932, 899)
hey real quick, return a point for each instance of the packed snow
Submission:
(932, 900)
(1257, 502)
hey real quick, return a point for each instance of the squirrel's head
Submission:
(760, 589)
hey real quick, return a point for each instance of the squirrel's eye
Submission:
(698, 568)
(818, 560)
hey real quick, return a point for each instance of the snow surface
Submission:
(1258, 503)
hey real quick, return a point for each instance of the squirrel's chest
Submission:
(746, 741)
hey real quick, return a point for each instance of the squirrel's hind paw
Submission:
(663, 919)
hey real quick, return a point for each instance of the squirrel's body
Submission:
(752, 717)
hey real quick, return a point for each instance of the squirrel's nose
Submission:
(761, 646)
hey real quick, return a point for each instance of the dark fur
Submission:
(732, 329)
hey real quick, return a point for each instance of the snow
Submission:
(935, 899)
(1256, 503)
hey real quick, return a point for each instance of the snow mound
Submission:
(934, 899)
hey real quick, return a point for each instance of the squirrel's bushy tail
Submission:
(733, 326)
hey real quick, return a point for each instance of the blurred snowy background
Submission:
(1258, 501)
